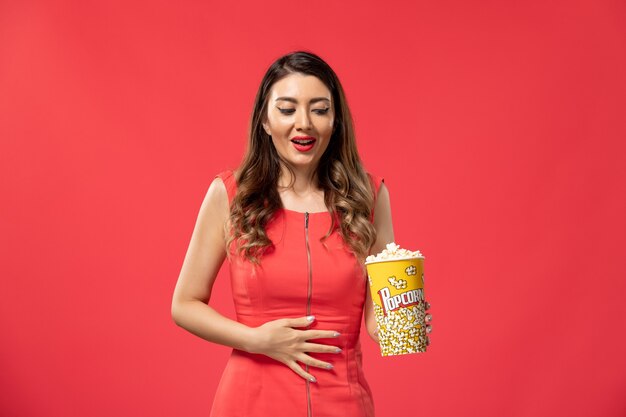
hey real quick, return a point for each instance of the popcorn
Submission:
(400, 332)
(396, 279)
(393, 251)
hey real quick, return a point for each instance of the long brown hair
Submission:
(348, 194)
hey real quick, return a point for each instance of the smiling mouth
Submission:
(303, 141)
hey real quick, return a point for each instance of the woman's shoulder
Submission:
(375, 181)
(230, 183)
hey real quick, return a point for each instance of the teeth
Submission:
(303, 142)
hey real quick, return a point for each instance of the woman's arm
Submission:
(277, 339)
(384, 235)
(205, 255)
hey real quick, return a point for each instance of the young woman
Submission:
(296, 221)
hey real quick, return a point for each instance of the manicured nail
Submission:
(330, 366)
(338, 350)
(336, 334)
(312, 379)
(310, 318)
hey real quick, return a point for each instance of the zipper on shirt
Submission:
(308, 299)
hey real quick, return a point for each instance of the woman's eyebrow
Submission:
(293, 100)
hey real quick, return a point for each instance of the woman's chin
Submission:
(303, 162)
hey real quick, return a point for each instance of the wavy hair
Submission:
(348, 193)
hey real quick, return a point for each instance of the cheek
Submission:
(280, 127)
(325, 128)
(331, 123)
(277, 144)
(275, 123)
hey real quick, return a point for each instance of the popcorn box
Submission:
(396, 279)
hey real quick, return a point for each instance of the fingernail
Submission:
(312, 379)
(310, 318)
(338, 350)
(330, 366)
(336, 334)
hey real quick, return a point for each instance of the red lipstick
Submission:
(303, 143)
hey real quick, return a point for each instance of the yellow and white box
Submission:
(396, 279)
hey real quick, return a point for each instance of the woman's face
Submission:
(300, 115)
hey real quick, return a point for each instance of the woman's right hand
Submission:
(280, 341)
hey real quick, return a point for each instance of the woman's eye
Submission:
(290, 111)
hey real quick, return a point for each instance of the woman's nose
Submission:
(303, 121)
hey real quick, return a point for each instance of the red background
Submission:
(498, 126)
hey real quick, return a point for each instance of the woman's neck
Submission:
(304, 194)
(304, 183)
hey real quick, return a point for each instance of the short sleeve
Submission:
(228, 178)
(376, 182)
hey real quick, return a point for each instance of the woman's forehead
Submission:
(300, 87)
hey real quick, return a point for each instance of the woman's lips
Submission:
(303, 143)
